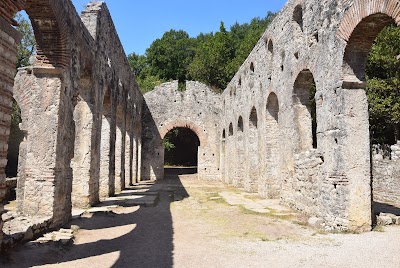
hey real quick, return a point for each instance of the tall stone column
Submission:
(135, 157)
(9, 39)
(82, 189)
(118, 160)
(128, 159)
(48, 147)
(105, 149)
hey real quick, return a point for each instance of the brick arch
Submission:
(361, 9)
(51, 27)
(185, 124)
(360, 25)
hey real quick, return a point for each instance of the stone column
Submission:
(135, 158)
(9, 38)
(82, 190)
(128, 159)
(121, 183)
(104, 189)
(49, 145)
(118, 160)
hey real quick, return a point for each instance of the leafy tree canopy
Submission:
(383, 86)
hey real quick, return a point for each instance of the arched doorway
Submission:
(180, 152)
(360, 33)
(305, 112)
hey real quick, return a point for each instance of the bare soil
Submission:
(193, 226)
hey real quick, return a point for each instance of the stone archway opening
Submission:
(305, 111)
(367, 70)
(382, 72)
(181, 147)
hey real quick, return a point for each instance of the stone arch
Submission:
(107, 150)
(240, 124)
(84, 181)
(222, 155)
(185, 124)
(270, 186)
(252, 148)
(51, 26)
(270, 46)
(240, 154)
(361, 24)
(298, 15)
(359, 28)
(302, 106)
(230, 129)
(253, 118)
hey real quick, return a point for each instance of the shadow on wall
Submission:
(152, 167)
(139, 238)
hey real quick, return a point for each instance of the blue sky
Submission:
(140, 22)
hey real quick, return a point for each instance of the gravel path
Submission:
(192, 226)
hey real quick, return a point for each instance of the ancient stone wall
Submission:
(386, 177)
(9, 38)
(80, 76)
(165, 108)
(327, 173)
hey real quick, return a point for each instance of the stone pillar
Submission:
(104, 188)
(135, 158)
(139, 159)
(82, 185)
(49, 145)
(9, 38)
(121, 183)
(118, 160)
(128, 159)
(355, 185)
(240, 160)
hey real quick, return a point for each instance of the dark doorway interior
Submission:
(181, 147)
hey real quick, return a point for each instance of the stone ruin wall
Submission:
(165, 108)
(83, 103)
(8, 56)
(386, 177)
(308, 40)
(257, 134)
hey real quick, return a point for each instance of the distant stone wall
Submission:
(197, 108)
(386, 178)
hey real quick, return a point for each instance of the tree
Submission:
(27, 47)
(210, 61)
(169, 56)
(138, 64)
(383, 86)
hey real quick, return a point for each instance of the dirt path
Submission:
(193, 226)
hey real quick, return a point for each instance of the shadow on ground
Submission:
(385, 208)
(145, 239)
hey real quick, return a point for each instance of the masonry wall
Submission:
(62, 100)
(8, 40)
(386, 177)
(165, 108)
(309, 42)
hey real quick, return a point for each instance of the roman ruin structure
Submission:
(82, 111)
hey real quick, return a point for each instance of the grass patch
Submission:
(378, 228)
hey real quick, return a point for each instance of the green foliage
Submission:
(209, 64)
(212, 58)
(383, 85)
(27, 47)
(169, 56)
(138, 65)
